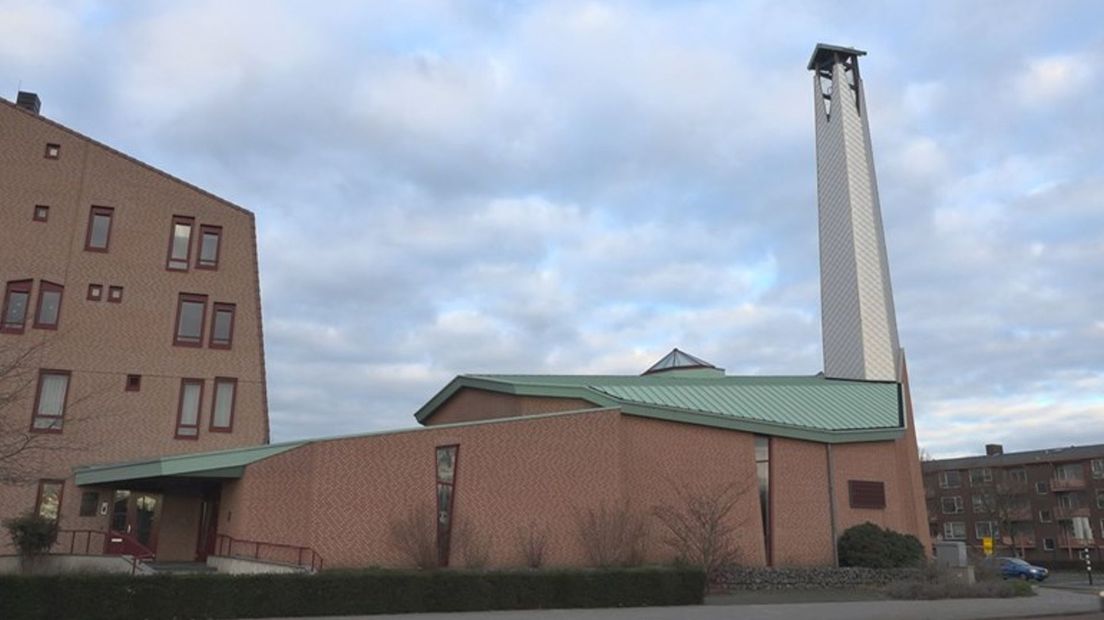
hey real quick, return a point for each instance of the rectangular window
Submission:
(1069, 471)
(187, 419)
(48, 310)
(1069, 501)
(95, 292)
(1100, 499)
(951, 505)
(89, 500)
(41, 213)
(1098, 468)
(48, 503)
(49, 406)
(866, 494)
(190, 314)
(1041, 488)
(950, 479)
(115, 294)
(1017, 475)
(986, 529)
(446, 491)
(180, 243)
(134, 383)
(978, 503)
(222, 405)
(222, 326)
(17, 296)
(954, 530)
(1045, 516)
(981, 476)
(98, 237)
(1048, 544)
(53, 151)
(210, 237)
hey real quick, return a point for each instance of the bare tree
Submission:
(531, 543)
(700, 526)
(612, 536)
(1005, 503)
(414, 536)
(474, 546)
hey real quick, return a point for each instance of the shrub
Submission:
(612, 536)
(699, 527)
(32, 534)
(531, 543)
(870, 546)
(414, 537)
(474, 546)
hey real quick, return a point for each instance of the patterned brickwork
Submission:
(100, 343)
(801, 518)
(470, 405)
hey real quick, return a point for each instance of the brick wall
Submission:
(468, 405)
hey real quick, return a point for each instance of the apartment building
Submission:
(1044, 505)
(130, 328)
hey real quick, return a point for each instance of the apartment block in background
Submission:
(1043, 505)
(130, 328)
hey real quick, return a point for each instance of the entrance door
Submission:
(208, 528)
(134, 524)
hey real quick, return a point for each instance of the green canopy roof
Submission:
(803, 407)
(221, 464)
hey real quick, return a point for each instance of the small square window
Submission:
(41, 213)
(134, 383)
(89, 500)
(95, 292)
(1041, 488)
(1045, 516)
(115, 294)
(53, 151)
(1048, 544)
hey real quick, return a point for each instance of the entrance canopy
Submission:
(225, 464)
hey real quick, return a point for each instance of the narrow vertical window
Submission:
(48, 310)
(98, 237)
(446, 486)
(762, 470)
(180, 243)
(187, 419)
(210, 238)
(41, 213)
(17, 296)
(189, 320)
(222, 406)
(48, 502)
(49, 406)
(222, 326)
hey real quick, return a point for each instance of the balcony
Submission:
(1066, 512)
(1076, 543)
(1021, 542)
(1067, 484)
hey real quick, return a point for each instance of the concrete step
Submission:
(180, 567)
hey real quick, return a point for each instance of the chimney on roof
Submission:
(28, 101)
(994, 449)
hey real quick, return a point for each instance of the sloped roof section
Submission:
(802, 407)
(221, 464)
(679, 360)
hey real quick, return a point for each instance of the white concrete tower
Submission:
(857, 318)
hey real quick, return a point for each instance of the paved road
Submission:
(1049, 602)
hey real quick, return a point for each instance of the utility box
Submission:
(949, 554)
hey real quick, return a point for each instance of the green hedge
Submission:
(335, 593)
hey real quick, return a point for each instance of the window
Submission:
(41, 213)
(115, 294)
(1017, 475)
(1098, 468)
(180, 243)
(17, 297)
(222, 326)
(48, 309)
(89, 500)
(762, 472)
(986, 529)
(950, 479)
(1100, 498)
(53, 151)
(134, 383)
(48, 503)
(49, 406)
(446, 486)
(1041, 488)
(1069, 471)
(866, 494)
(1069, 501)
(98, 236)
(187, 419)
(95, 292)
(952, 505)
(222, 405)
(210, 237)
(979, 503)
(190, 314)
(980, 476)
(1048, 544)
(954, 530)
(1045, 516)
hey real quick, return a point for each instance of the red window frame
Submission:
(60, 495)
(41, 213)
(181, 263)
(214, 405)
(205, 230)
(444, 533)
(35, 415)
(15, 286)
(180, 410)
(190, 298)
(48, 287)
(216, 308)
(115, 294)
(109, 213)
(53, 151)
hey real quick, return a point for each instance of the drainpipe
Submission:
(832, 504)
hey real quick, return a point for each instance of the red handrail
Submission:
(225, 546)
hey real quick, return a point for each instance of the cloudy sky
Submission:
(562, 187)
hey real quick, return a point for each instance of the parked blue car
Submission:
(1015, 568)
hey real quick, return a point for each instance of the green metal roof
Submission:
(803, 407)
(221, 464)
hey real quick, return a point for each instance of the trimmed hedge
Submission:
(870, 546)
(336, 593)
